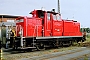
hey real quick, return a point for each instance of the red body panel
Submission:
(20, 25)
(34, 26)
(77, 29)
(68, 29)
(71, 28)
(31, 27)
(57, 28)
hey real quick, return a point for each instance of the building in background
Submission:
(5, 21)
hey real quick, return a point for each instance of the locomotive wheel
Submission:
(40, 47)
(70, 43)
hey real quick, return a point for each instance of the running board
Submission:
(57, 37)
(27, 48)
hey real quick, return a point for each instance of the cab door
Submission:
(48, 25)
(57, 25)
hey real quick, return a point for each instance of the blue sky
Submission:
(72, 9)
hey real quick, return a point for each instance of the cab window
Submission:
(48, 16)
(54, 17)
(58, 17)
(20, 20)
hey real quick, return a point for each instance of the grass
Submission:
(85, 43)
(87, 39)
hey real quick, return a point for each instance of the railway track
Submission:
(42, 55)
(58, 54)
(83, 57)
(46, 54)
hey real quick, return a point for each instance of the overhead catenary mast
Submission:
(59, 6)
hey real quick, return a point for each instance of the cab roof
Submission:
(45, 11)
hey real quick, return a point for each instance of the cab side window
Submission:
(48, 16)
(54, 17)
(58, 17)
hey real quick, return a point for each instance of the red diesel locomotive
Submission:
(45, 29)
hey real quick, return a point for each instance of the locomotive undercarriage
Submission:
(41, 44)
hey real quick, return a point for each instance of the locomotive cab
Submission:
(50, 21)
